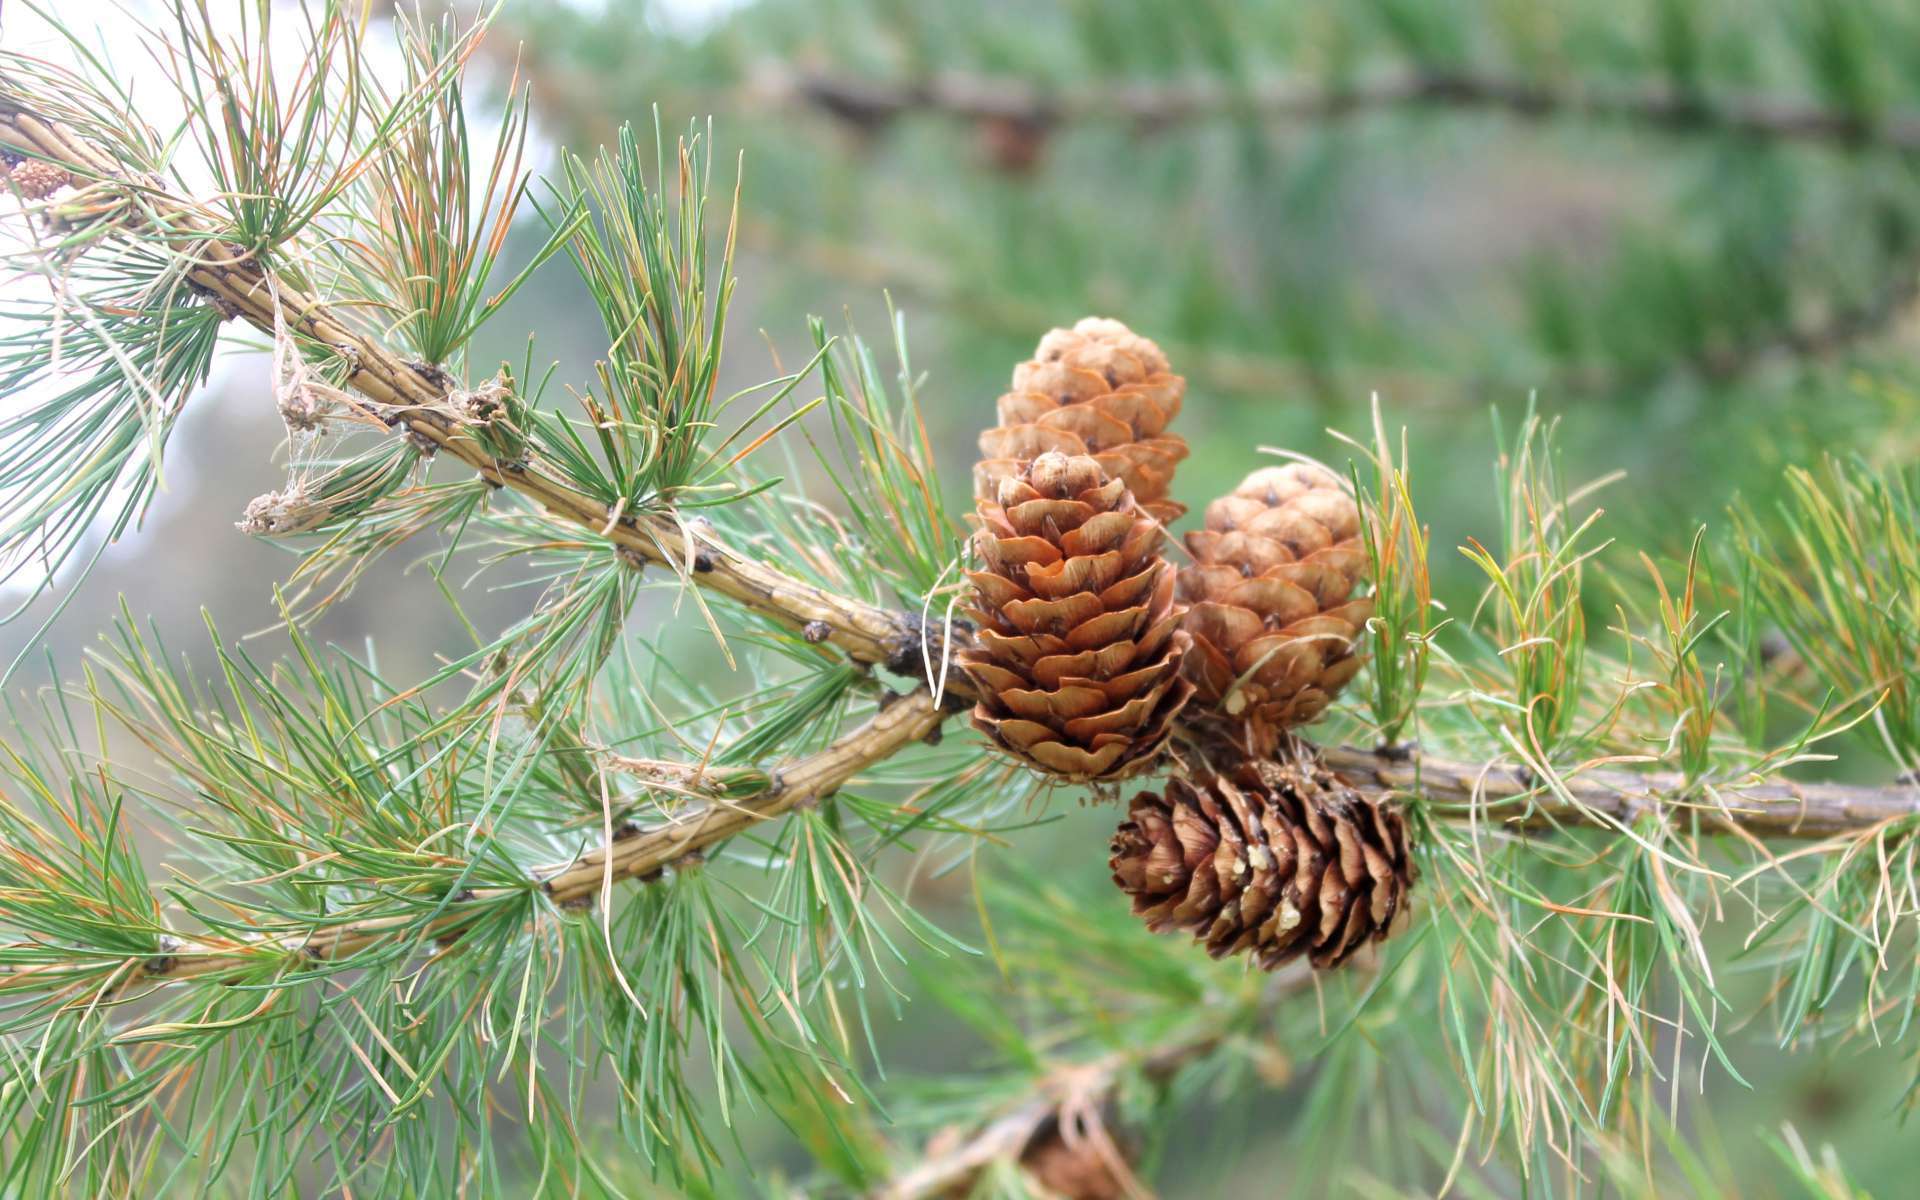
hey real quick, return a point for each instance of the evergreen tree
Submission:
(768, 845)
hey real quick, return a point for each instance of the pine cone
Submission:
(1280, 860)
(1097, 389)
(1274, 631)
(1071, 1154)
(35, 179)
(1073, 1164)
(1077, 660)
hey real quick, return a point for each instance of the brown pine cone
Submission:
(1097, 389)
(1275, 631)
(1073, 1164)
(35, 179)
(1280, 860)
(1077, 660)
(1071, 1154)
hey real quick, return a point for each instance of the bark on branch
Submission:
(420, 400)
(1017, 104)
(641, 854)
(1506, 796)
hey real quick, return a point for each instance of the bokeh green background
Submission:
(1699, 309)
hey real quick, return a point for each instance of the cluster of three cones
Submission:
(1091, 643)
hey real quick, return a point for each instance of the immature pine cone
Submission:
(1280, 860)
(35, 179)
(1097, 389)
(1077, 660)
(1274, 629)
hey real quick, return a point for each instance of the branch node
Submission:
(164, 962)
(1399, 752)
(227, 309)
(433, 373)
(918, 647)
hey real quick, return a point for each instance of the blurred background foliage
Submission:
(1690, 230)
(1701, 306)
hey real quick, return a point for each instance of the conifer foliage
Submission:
(573, 911)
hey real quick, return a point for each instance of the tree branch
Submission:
(869, 103)
(1511, 798)
(640, 854)
(420, 399)
(1150, 105)
(1495, 795)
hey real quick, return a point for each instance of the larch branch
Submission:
(1513, 798)
(869, 103)
(641, 853)
(420, 399)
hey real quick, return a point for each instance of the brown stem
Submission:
(870, 102)
(898, 725)
(420, 400)
(1457, 791)
(1511, 798)
(638, 855)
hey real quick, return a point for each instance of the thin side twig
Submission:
(1005, 1134)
